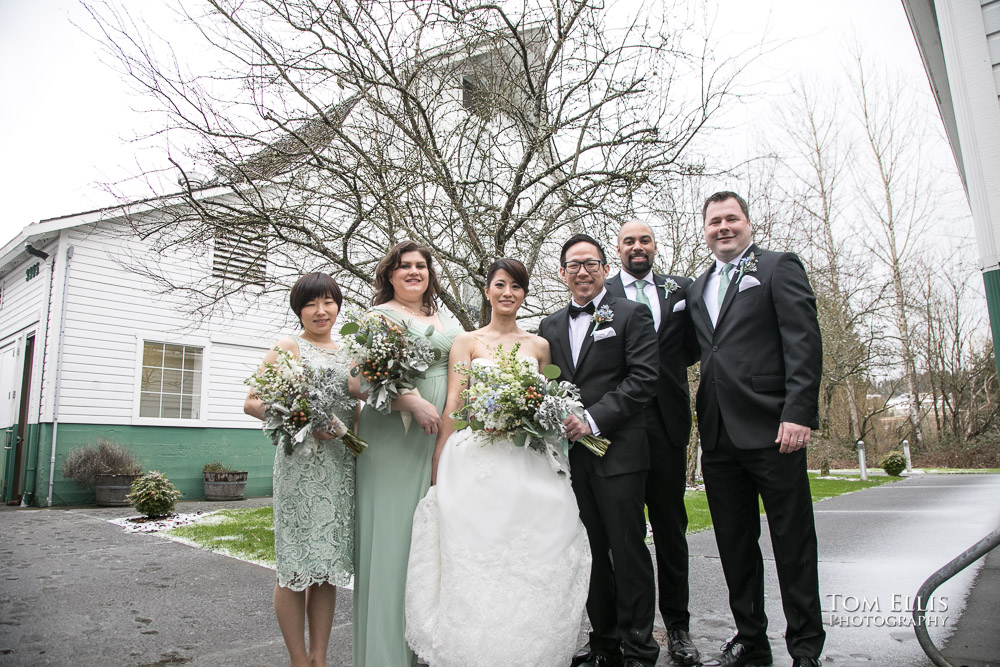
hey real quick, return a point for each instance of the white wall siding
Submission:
(111, 310)
(24, 309)
(231, 364)
(991, 21)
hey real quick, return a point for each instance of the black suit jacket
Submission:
(678, 349)
(761, 363)
(616, 376)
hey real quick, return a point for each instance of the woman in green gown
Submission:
(394, 472)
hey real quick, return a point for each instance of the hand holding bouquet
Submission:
(299, 400)
(388, 359)
(512, 400)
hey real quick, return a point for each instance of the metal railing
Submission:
(964, 560)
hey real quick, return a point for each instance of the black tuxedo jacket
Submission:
(761, 363)
(616, 376)
(678, 349)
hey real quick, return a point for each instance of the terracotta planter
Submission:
(110, 490)
(225, 485)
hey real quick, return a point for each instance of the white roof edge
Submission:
(11, 250)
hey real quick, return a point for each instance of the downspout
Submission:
(58, 374)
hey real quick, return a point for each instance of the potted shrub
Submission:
(222, 482)
(107, 467)
(153, 494)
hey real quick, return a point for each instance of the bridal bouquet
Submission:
(511, 400)
(388, 359)
(299, 399)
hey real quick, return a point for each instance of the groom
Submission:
(606, 346)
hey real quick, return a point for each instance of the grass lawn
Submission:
(699, 518)
(247, 534)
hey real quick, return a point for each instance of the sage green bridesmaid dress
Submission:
(393, 474)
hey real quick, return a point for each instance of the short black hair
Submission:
(723, 196)
(313, 286)
(514, 268)
(581, 238)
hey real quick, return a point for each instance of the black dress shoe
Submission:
(602, 661)
(582, 656)
(682, 649)
(739, 654)
(632, 662)
(806, 662)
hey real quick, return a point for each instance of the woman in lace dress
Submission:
(313, 489)
(499, 561)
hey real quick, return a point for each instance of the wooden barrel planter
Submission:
(225, 485)
(110, 490)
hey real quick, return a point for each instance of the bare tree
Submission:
(332, 131)
(816, 156)
(894, 186)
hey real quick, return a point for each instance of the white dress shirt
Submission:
(628, 282)
(711, 293)
(579, 328)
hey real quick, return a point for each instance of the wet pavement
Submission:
(77, 590)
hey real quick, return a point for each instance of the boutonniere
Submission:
(602, 315)
(669, 286)
(747, 265)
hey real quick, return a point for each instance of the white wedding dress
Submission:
(499, 561)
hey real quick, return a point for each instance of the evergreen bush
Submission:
(153, 494)
(893, 463)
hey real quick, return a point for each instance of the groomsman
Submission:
(607, 347)
(668, 424)
(761, 357)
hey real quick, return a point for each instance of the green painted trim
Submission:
(992, 281)
(179, 453)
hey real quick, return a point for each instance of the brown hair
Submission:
(383, 272)
(514, 268)
(313, 286)
(720, 197)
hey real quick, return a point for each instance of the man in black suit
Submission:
(607, 347)
(761, 357)
(668, 424)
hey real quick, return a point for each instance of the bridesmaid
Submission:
(313, 492)
(394, 473)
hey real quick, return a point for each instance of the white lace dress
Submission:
(499, 561)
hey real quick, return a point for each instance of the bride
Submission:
(499, 560)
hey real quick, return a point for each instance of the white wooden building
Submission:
(89, 348)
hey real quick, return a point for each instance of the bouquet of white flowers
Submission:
(388, 359)
(299, 399)
(511, 400)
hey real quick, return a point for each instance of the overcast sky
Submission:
(65, 118)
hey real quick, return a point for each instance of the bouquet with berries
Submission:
(300, 399)
(388, 358)
(511, 400)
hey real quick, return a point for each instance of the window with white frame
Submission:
(171, 381)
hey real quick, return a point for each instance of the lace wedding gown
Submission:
(499, 561)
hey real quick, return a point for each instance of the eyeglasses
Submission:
(592, 266)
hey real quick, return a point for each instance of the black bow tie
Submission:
(575, 310)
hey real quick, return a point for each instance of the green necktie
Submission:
(724, 283)
(640, 294)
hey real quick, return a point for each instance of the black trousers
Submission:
(621, 602)
(665, 487)
(733, 479)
